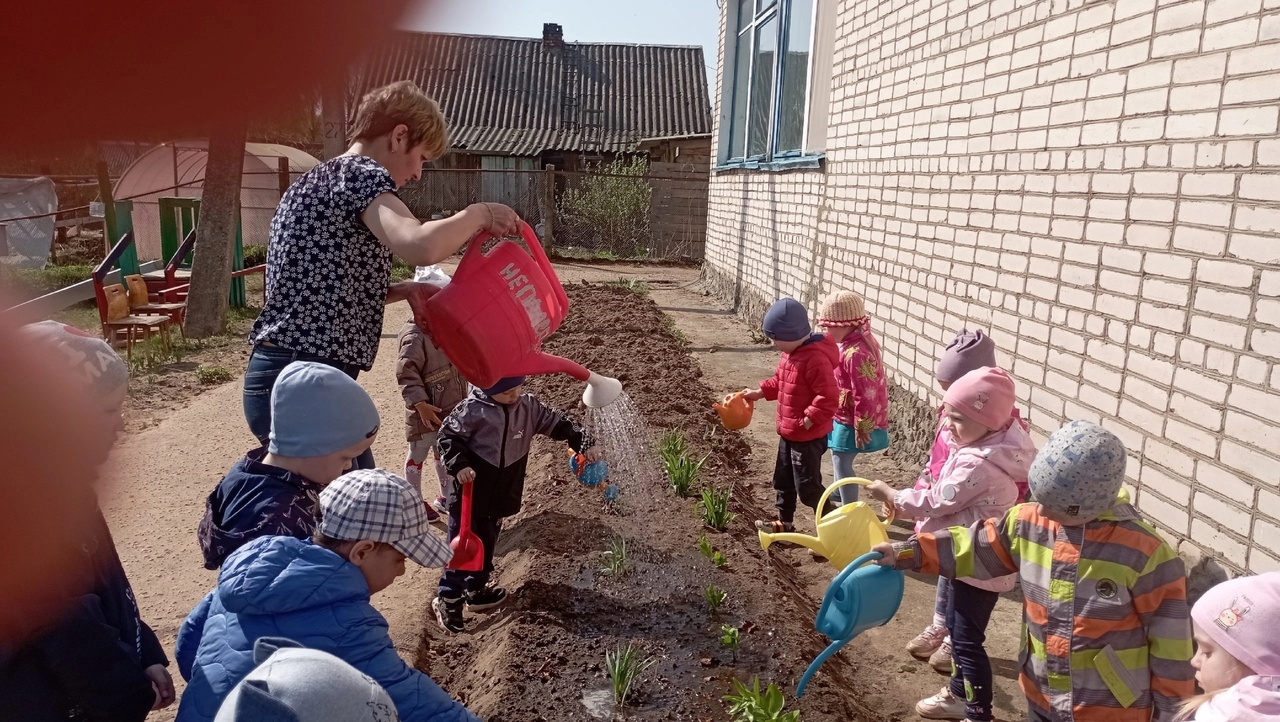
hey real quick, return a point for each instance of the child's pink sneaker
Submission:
(927, 642)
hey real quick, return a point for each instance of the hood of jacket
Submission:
(278, 575)
(1252, 698)
(1010, 450)
(818, 343)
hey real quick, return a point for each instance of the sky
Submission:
(656, 22)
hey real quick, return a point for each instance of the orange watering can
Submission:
(492, 318)
(468, 550)
(845, 534)
(735, 411)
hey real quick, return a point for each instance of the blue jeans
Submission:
(967, 617)
(265, 365)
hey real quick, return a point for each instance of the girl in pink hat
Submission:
(990, 456)
(1237, 658)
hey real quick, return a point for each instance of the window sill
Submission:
(777, 165)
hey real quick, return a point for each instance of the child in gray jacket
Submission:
(485, 442)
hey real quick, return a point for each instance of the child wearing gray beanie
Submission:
(295, 684)
(1095, 577)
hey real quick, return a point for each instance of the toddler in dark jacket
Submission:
(321, 420)
(485, 442)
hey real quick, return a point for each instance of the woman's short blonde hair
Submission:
(402, 103)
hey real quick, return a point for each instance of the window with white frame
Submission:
(771, 79)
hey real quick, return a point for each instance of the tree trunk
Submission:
(216, 233)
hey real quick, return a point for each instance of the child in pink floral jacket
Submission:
(862, 414)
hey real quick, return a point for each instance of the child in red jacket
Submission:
(805, 388)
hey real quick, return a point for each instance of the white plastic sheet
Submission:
(29, 240)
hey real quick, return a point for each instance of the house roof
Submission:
(513, 96)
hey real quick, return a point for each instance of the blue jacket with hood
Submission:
(285, 587)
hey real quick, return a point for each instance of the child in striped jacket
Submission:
(1107, 633)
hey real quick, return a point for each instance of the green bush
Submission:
(28, 283)
(254, 256)
(611, 203)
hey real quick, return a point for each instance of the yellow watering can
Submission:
(844, 534)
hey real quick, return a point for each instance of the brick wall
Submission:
(1095, 183)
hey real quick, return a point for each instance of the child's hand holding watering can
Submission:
(466, 476)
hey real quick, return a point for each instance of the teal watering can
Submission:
(859, 598)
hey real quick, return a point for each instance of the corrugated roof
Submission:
(514, 96)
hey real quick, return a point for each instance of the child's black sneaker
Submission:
(449, 614)
(487, 598)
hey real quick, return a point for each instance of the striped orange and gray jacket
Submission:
(1106, 629)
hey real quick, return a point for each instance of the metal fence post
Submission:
(549, 205)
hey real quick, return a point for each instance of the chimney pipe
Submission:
(552, 36)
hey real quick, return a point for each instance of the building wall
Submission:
(1095, 183)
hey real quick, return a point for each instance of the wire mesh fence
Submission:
(627, 209)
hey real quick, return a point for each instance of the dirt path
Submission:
(162, 475)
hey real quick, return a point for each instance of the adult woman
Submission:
(332, 239)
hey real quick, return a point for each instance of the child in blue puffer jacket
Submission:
(318, 593)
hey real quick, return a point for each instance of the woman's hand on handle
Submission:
(502, 220)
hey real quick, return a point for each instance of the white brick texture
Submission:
(1096, 184)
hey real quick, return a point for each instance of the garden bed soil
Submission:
(536, 657)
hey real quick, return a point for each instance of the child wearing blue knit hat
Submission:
(804, 385)
(321, 421)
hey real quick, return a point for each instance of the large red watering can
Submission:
(493, 316)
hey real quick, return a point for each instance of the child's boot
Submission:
(927, 642)
(486, 598)
(941, 659)
(775, 526)
(942, 705)
(449, 613)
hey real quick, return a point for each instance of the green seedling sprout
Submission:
(615, 558)
(714, 508)
(624, 666)
(749, 704)
(715, 597)
(731, 637)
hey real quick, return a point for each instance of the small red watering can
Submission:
(494, 315)
(468, 550)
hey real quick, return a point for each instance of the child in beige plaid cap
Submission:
(318, 594)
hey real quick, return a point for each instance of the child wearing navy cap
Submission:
(485, 442)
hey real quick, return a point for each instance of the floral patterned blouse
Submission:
(327, 274)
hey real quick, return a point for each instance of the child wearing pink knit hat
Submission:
(990, 455)
(1237, 658)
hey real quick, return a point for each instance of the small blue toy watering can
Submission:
(859, 598)
(592, 474)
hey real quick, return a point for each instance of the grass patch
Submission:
(625, 666)
(213, 374)
(749, 704)
(715, 597)
(684, 475)
(713, 507)
(731, 638)
(634, 285)
(577, 253)
(401, 271)
(615, 558)
(670, 325)
(29, 283)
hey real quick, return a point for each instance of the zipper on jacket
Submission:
(506, 424)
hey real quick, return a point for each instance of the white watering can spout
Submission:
(601, 391)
